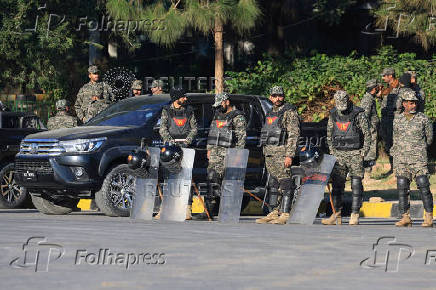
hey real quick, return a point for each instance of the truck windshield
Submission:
(128, 113)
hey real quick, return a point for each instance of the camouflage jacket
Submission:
(390, 103)
(369, 105)
(61, 120)
(363, 124)
(240, 131)
(291, 122)
(85, 107)
(411, 137)
(164, 127)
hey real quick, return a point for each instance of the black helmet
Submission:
(177, 93)
(310, 157)
(138, 159)
(171, 158)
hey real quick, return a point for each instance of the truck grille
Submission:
(43, 167)
(47, 147)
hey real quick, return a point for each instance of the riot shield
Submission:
(311, 191)
(177, 189)
(145, 189)
(232, 188)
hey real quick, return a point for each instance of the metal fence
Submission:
(43, 109)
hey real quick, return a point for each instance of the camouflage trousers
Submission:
(372, 154)
(275, 165)
(217, 160)
(347, 162)
(410, 170)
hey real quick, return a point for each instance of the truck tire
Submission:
(46, 206)
(116, 194)
(11, 195)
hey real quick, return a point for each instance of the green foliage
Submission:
(178, 17)
(37, 59)
(310, 81)
(409, 18)
(332, 10)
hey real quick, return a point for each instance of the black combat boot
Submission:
(427, 199)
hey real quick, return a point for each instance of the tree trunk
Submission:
(219, 57)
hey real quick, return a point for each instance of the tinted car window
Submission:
(256, 120)
(266, 104)
(198, 113)
(130, 112)
(208, 113)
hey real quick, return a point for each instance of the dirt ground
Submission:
(380, 183)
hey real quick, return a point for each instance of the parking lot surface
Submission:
(92, 251)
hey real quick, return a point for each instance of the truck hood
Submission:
(83, 132)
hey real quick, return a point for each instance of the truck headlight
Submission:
(82, 145)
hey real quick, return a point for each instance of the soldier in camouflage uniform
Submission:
(388, 108)
(136, 88)
(279, 138)
(157, 87)
(177, 121)
(349, 140)
(93, 97)
(62, 119)
(407, 81)
(227, 130)
(178, 125)
(368, 103)
(413, 132)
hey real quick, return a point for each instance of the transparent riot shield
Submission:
(232, 188)
(145, 189)
(177, 189)
(311, 192)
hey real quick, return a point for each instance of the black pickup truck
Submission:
(14, 126)
(61, 166)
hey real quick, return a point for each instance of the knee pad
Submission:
(338, 182)
(212, 175)
(273, 183)
(403, 183)
(422, 181)
(286, 184)
(356, 182)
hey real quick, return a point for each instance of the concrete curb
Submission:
(389, 209)
(386, 209)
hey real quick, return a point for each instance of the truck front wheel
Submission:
(53, 207)
(116, 194)
(11, 195)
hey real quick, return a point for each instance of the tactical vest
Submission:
(346, 133)
(221, 129)
(273, 132)
(179, 125)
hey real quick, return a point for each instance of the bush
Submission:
(310, 82)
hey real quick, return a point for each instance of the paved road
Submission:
(209, 255)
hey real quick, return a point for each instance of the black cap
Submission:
(405, 80)
(177, 93)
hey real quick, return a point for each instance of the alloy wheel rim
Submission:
(8, 188)
(122, 190)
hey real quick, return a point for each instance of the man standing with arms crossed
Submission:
(93, 97)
